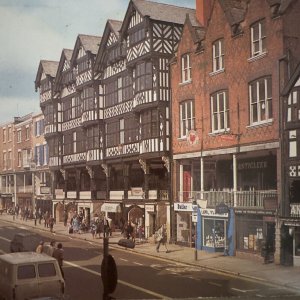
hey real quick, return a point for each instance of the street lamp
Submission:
(195, 221)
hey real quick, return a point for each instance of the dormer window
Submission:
(185, 68)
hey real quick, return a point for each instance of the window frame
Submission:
(218, 56)
(186, 122)
(219, 124)
(186, 69)
(257, 105)
(260, 25)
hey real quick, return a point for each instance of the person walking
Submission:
(40, 247)
(161, 238)
(51, 223)
(58, 253)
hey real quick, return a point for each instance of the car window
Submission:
(26, 272)
(46, 270)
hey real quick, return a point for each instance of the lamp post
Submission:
(195, 221)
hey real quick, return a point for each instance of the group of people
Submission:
(51, 250)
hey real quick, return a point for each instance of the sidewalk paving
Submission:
(288, 277)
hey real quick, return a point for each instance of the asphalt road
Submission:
(141, 276)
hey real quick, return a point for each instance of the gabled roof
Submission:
(66, 54)
(90, 43)
(110, 26)
(48, 67)
(160, 12)
(235, 10)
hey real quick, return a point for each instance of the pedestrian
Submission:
(161, 238)
(65, 218)
(40, 247)
(106, 228)
(51, 248)
(58, 253)
(51, 223)
(93, 229)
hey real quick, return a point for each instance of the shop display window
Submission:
(213, 233)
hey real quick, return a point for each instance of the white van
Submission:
(27, 275)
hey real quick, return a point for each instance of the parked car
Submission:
(30, 275)
(23, 242)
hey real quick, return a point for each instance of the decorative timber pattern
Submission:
(94, 154)
(54, 161)
(111, 39)
(51, 128)
(68, 90)
(150, 145)
(83, 77)
(118, 109)
(135, 19)
(294, 171)
(71, 124)
(164, 91)
(125, 149)
(45, 96)
(138, 50)
(144, 97)
(73, 158)
(114, 69)
(165, 38)
(90, 115)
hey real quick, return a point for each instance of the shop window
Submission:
(213, 233)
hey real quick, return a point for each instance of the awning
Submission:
(111, 207)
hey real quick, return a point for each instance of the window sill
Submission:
(257, 57)
(182, 139)
(185, 82)
(260, 124)
(220, 132)
(216, 72)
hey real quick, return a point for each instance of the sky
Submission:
(34, 30)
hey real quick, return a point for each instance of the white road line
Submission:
(216, 284)
(123, 259)
(4, 239)
(136, 263)
(245, 291)
(121, 282)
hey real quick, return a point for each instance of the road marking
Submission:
(216, 284)
(120, 281)
(124, 259)
(4, 239)
(244, 291)
(136, 263)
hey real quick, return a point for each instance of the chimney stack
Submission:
(203, 9)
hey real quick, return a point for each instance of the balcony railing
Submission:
(295, 210)
(254, 199)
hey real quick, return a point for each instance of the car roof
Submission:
(25, 257)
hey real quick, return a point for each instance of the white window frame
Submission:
(260, 40)
(19, 136)
(122, 132)
(218, 56)
(187, 117)
(258, 104)
(222, 110)
(19, 158)
(186, 68)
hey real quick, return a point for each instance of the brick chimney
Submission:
(203, 8)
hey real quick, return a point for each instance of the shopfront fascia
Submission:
(212, 230)
(255, 229)
(185, 229)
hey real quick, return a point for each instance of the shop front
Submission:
(212, 230)
(185, 229)
(255, 232)
(113, 211)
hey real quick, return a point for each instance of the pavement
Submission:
(283, 276)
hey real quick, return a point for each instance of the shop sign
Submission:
(254, 212)
(137, 191)
(149, 208)
(194, 217)
(183, 206)
(45, 190)
(192, 137)
(212, 213)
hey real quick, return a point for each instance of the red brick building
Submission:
(226, 85)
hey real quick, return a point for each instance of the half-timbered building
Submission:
(226, 124)
(133, 68)
(290, 208)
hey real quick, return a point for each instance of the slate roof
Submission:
(165, 12)
(234, 10)
(90, 42)
(48, 67)
(68, 54)
(115, 25)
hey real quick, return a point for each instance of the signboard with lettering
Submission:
(212, 213)
(183, 206)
